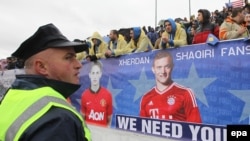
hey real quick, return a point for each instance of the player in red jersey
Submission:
(96, 101)
(168, 100)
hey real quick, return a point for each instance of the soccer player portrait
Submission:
(168, 100)
(96, 101)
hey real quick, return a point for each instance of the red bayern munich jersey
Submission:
(174, 103)
(97, 106)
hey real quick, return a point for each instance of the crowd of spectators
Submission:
(11, 63)
(229, 23)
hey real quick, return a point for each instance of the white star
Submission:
(196, 83)
(244, 96)
(114, 92)
(142, 85)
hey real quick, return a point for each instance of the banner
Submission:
(210, 90)
(218, 76)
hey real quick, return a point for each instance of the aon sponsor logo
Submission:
(96, 115)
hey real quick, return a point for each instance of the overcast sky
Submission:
(80, 18)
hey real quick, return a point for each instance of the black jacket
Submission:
(57, 124)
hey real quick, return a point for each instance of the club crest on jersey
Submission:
(103, 102)
(171, 100)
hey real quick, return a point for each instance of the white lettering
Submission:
(224, 134)
(238, 133)
(217, 134)
(123, 122)
(162, 128)
(156, 128)
(176, 130)
(198, 54)
(96, 115)
(127, 123)
(223, 51)
(132, 124)
(207, 134)
(134, 61)
(248, 50)
(165, 129)
(146, 126)
(194, 130)
(235, 51)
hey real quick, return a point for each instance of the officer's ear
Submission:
(40, 67)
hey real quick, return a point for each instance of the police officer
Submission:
(35, 107)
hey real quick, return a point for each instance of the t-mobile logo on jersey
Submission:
(96, 115)
(154, 113)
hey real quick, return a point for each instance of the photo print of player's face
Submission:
(95, 75)
(162, 69)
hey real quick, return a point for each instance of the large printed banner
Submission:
(217, 75)
(216, 79)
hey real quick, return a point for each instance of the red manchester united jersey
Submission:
(97, 106)
(174, 103)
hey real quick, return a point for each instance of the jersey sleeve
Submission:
(110, 104)
(191, 108)
(142, 107)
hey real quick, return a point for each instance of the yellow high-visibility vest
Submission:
(21, 108)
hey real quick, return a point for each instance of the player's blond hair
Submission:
(162, 54)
